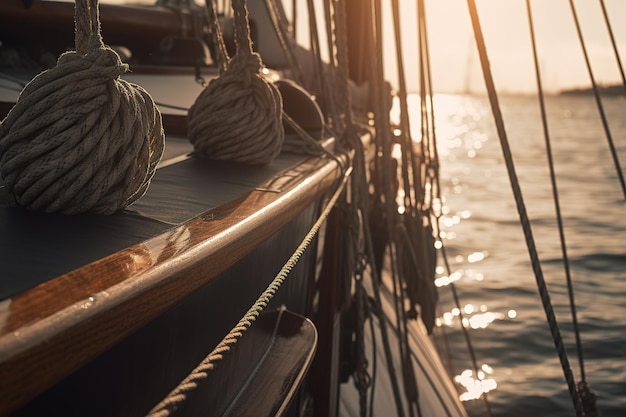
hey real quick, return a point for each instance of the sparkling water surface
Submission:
(491, 266)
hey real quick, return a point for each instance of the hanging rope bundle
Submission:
(237, 117)
(79, 138)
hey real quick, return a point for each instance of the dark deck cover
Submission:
(36, 247)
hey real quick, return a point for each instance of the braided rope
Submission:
(238, 116)
(80, 139)
(179, 394)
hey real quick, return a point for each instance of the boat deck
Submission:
(71, 287)
(37, 247)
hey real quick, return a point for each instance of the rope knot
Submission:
(107, 58)
(238, 116)
(102, 61)
(245, 66)
(80, 139)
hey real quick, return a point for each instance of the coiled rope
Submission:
(179, 394)
(80, 139)
(238, 116)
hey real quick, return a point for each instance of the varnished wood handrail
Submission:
(53, 329)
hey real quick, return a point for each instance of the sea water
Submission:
(490, 262)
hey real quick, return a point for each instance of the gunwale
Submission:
(53, 329)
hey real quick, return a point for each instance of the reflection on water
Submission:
(473, 317)
(448, 279)
(461, 136)
(475, 387)
(469, 274)
(489, 261)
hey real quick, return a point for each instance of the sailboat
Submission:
(205, 213)
(196, 213)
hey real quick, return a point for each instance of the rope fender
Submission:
(80, 139)
(238, 116)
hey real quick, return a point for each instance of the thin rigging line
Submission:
(555, 192)
(521, 208)
(609, 138)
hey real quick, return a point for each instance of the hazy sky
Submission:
(454, 59)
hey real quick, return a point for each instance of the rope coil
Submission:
(238, 116)
(80, 139)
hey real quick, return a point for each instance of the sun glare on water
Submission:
(475, 387)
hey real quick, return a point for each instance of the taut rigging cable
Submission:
(613, 44)
(587, 397)
(596, 94)
(521, 208)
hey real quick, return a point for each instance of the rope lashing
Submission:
(238, 116)
(80, 139)
(588, 398)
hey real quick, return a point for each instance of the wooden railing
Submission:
(50, 331)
